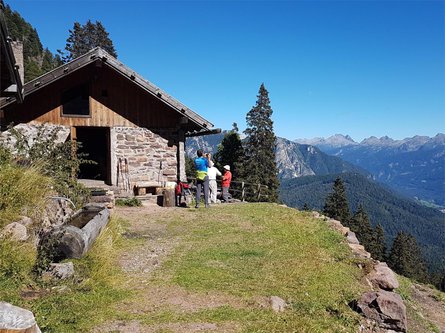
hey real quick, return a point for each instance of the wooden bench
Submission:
(142, 188)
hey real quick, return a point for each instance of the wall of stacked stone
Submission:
(152, 157)
(31, 131)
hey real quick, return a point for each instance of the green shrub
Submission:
(133, 202)
(56, 160)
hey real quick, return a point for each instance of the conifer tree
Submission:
(417, 266)
(405, 257)
(86, 37)
(378, 249)
(305, 208)
(336, 204)
(361, 226)
(398, 256)
(260, 166)
(231, 152)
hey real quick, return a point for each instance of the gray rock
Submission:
(15, 319)
(277, 304)
(59, 271)
(15, 231)
(359, 251)
(25, 220)
(351, 238)
(386, 308)
(383, 277)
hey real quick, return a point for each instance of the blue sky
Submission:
(363, 68)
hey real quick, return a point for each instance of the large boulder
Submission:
(384, 307)
(17, 320)
(383, 277)
(15, 231)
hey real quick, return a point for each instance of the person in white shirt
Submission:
(212, 172)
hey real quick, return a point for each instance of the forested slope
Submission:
(392, 212)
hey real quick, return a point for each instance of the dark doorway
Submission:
(95, 141)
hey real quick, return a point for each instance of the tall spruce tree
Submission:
(360, 224)
(231, 152)
(405, 257)
(378, 247)
(260, 166)
(336, 204)
(398, 256)
(83, 38)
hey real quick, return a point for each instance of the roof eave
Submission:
(99, 54)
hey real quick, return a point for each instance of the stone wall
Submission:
(32, 131)
(152, 157)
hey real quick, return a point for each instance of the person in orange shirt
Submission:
(227, 177)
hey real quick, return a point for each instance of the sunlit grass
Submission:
(261, 250)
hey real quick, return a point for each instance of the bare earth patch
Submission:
(139, 262)
(430, 306)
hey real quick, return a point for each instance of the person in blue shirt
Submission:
(202, 179)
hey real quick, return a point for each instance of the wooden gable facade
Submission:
(116, 114)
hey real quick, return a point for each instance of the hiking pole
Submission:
(128, 175)
(121, 173)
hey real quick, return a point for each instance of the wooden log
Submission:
(141, 190)
(16, 320)
(169, 197)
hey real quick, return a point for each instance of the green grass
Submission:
(21, 192)
(89, 295)
(261, 250)
(244, 253)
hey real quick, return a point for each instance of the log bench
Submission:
(142, 188)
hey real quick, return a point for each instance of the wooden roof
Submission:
(99, 55)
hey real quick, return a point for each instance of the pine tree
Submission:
(405, 257)
(417, 266)
(360, 224)
(398, 256)
(231, 152)
(378, 249)
(305, 208)
(336, 204)
(260, 166)
(83, 38)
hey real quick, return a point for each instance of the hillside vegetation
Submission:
(393, 213)
(157, 269)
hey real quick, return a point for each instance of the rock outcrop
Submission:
(386, 308)
(17, 320)
(15, 231)
(383, 277)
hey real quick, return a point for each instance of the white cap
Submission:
(227, 167)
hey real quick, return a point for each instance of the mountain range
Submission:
(413, 166)
(293, 159)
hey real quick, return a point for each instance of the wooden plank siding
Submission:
(114, 101)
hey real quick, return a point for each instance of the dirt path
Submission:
(151, 244)
(429, 305)
(140, 262)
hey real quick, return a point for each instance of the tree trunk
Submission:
(169, 197)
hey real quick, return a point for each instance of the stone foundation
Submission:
(151, 157)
